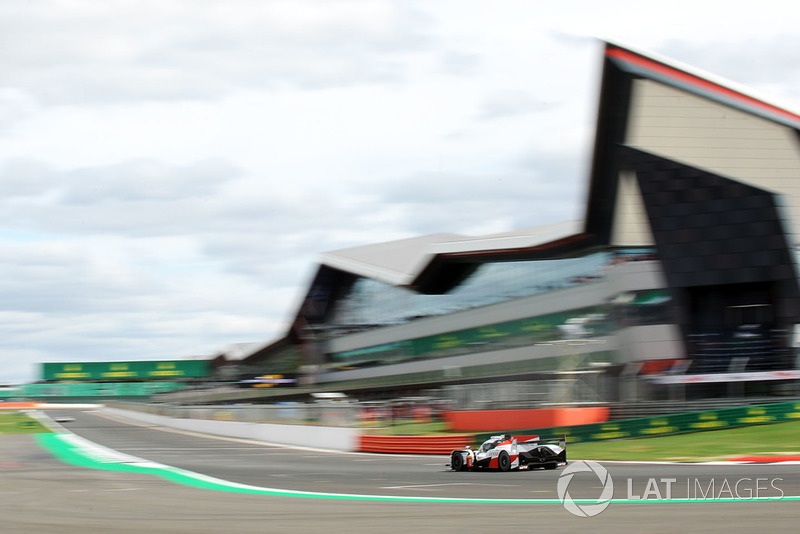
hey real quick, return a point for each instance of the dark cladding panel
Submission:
(705, 223)
(714, 231)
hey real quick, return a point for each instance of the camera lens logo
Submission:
(585, 510)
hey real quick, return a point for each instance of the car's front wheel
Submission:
(503, 461)
(457, 461)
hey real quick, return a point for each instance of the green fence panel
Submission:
(88, 389)
(131, 370)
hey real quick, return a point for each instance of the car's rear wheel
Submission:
(456, 461)
(503, 461)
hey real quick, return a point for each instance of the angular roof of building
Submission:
(393, 262)
(698, 82)
(401, 262)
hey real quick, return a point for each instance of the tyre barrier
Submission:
(414, 444)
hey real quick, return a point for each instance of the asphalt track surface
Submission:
(38, 493)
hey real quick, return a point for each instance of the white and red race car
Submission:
(504, 453)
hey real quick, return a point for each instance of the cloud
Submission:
(460, 63)
(170, 170)
(88, 298)
(510, 104)
(20, 177)
(146, 180)
(81, 52)
(15, 107)
(136, 197)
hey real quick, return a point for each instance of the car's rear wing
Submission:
(560, 441)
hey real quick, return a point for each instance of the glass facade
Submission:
(372, 304)
(574, 324)
(636, 308)
(640, 308)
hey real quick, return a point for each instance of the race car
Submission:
(504, 453)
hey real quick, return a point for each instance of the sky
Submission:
(171, 170)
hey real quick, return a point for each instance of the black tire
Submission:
(456, 461)
(503, 461)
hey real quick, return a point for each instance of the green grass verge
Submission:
(780, 439)
(19, 423)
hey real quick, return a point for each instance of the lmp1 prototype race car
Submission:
(504, 453)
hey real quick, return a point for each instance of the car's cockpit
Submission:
(493, 442)
(489, 444)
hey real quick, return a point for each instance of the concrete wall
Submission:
(633, 276)
(320, 437)
(651, 342)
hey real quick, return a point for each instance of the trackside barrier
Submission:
(483, 420)
(18, 405)
(325, 437)
(643, 427)
(414, 444)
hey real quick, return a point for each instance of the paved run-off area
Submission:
(40, 494)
